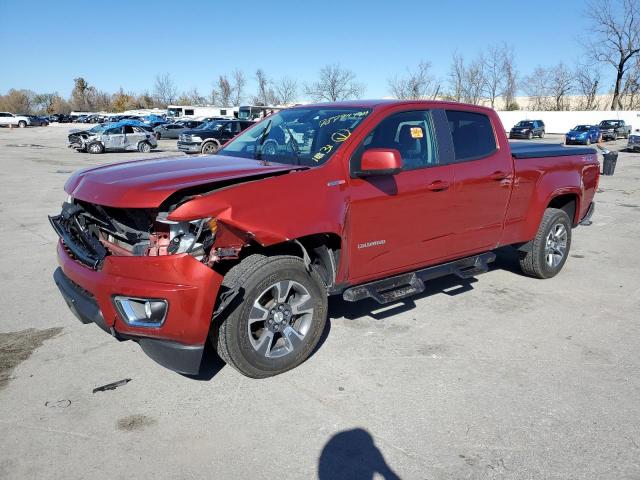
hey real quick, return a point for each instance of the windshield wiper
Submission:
(294, 144)
(257, 154)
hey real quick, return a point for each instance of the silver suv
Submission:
(111, 137)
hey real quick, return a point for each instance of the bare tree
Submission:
(239, 81)
(474, 81)
(18, 101)
(165, 90)
(286, 91)
(79, 94)
(587, 82)
(221, 94)
(334, 83)
(615, 37)
(560, 85)
(494, 84)
(266, 94)
(417, 84)
(456, 77)
(536, 87)
(510, 78)
(631, 90)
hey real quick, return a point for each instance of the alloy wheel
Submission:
(556, 245)
(280, 319)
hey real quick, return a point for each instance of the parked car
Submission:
(173, 130)
(527, 129)
(613, 129)
(9, 119)
(358, 199)
(634, 141)
(211, 136)
(38, 121)
(113, 137)
(60, 118)
(583, 134)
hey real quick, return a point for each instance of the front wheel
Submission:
(210, 148)
(587, 141)
(550, 248)
(530, 135)
(95, 148)
(276, 319)
(542, 134)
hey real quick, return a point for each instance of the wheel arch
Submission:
(569, 202)
(320, 251)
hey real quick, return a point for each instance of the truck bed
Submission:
(540, 150)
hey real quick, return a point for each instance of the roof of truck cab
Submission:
(389, 103)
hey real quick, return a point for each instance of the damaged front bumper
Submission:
(189, 288)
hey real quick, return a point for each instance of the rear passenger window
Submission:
(472, 135)
(410, 133)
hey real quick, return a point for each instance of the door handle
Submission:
(499, 175)
(438, 186)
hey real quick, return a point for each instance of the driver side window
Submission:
(411, 133)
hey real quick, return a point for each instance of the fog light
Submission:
(141, 312)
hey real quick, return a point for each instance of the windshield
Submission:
(524, 124)
(99, 128)
(215, 126)
(608, 123)
(299, 136)
(581, 128)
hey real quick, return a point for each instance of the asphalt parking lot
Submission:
(501, 376)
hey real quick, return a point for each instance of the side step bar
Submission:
(405, 285)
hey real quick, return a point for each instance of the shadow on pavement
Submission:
(353, 455)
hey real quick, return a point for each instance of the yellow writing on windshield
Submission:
(343, 117)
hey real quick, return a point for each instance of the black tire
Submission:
(210, 148)
(231, 335)
(530, 135)
(22, 124)
(144, 147)
(587, 141)
(542, 134)
(95, 148)
(535, 262)
(158, 135)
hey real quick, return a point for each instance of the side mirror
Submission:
(379, 161)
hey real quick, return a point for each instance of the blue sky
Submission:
(117, 43)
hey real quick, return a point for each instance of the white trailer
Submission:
(197, 112)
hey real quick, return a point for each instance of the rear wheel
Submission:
(22, 124)
(158, 135)
(542, 134)
(529, 135)
(550, 247)
(144, 147)
(276, 319)
(587, 141)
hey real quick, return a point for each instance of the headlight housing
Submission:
(194, 237)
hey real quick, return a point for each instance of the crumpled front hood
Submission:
(147, 183)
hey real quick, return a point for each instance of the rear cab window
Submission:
(472, 135)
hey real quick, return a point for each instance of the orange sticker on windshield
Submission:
(416, 132)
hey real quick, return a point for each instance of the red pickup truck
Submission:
(363, 199)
